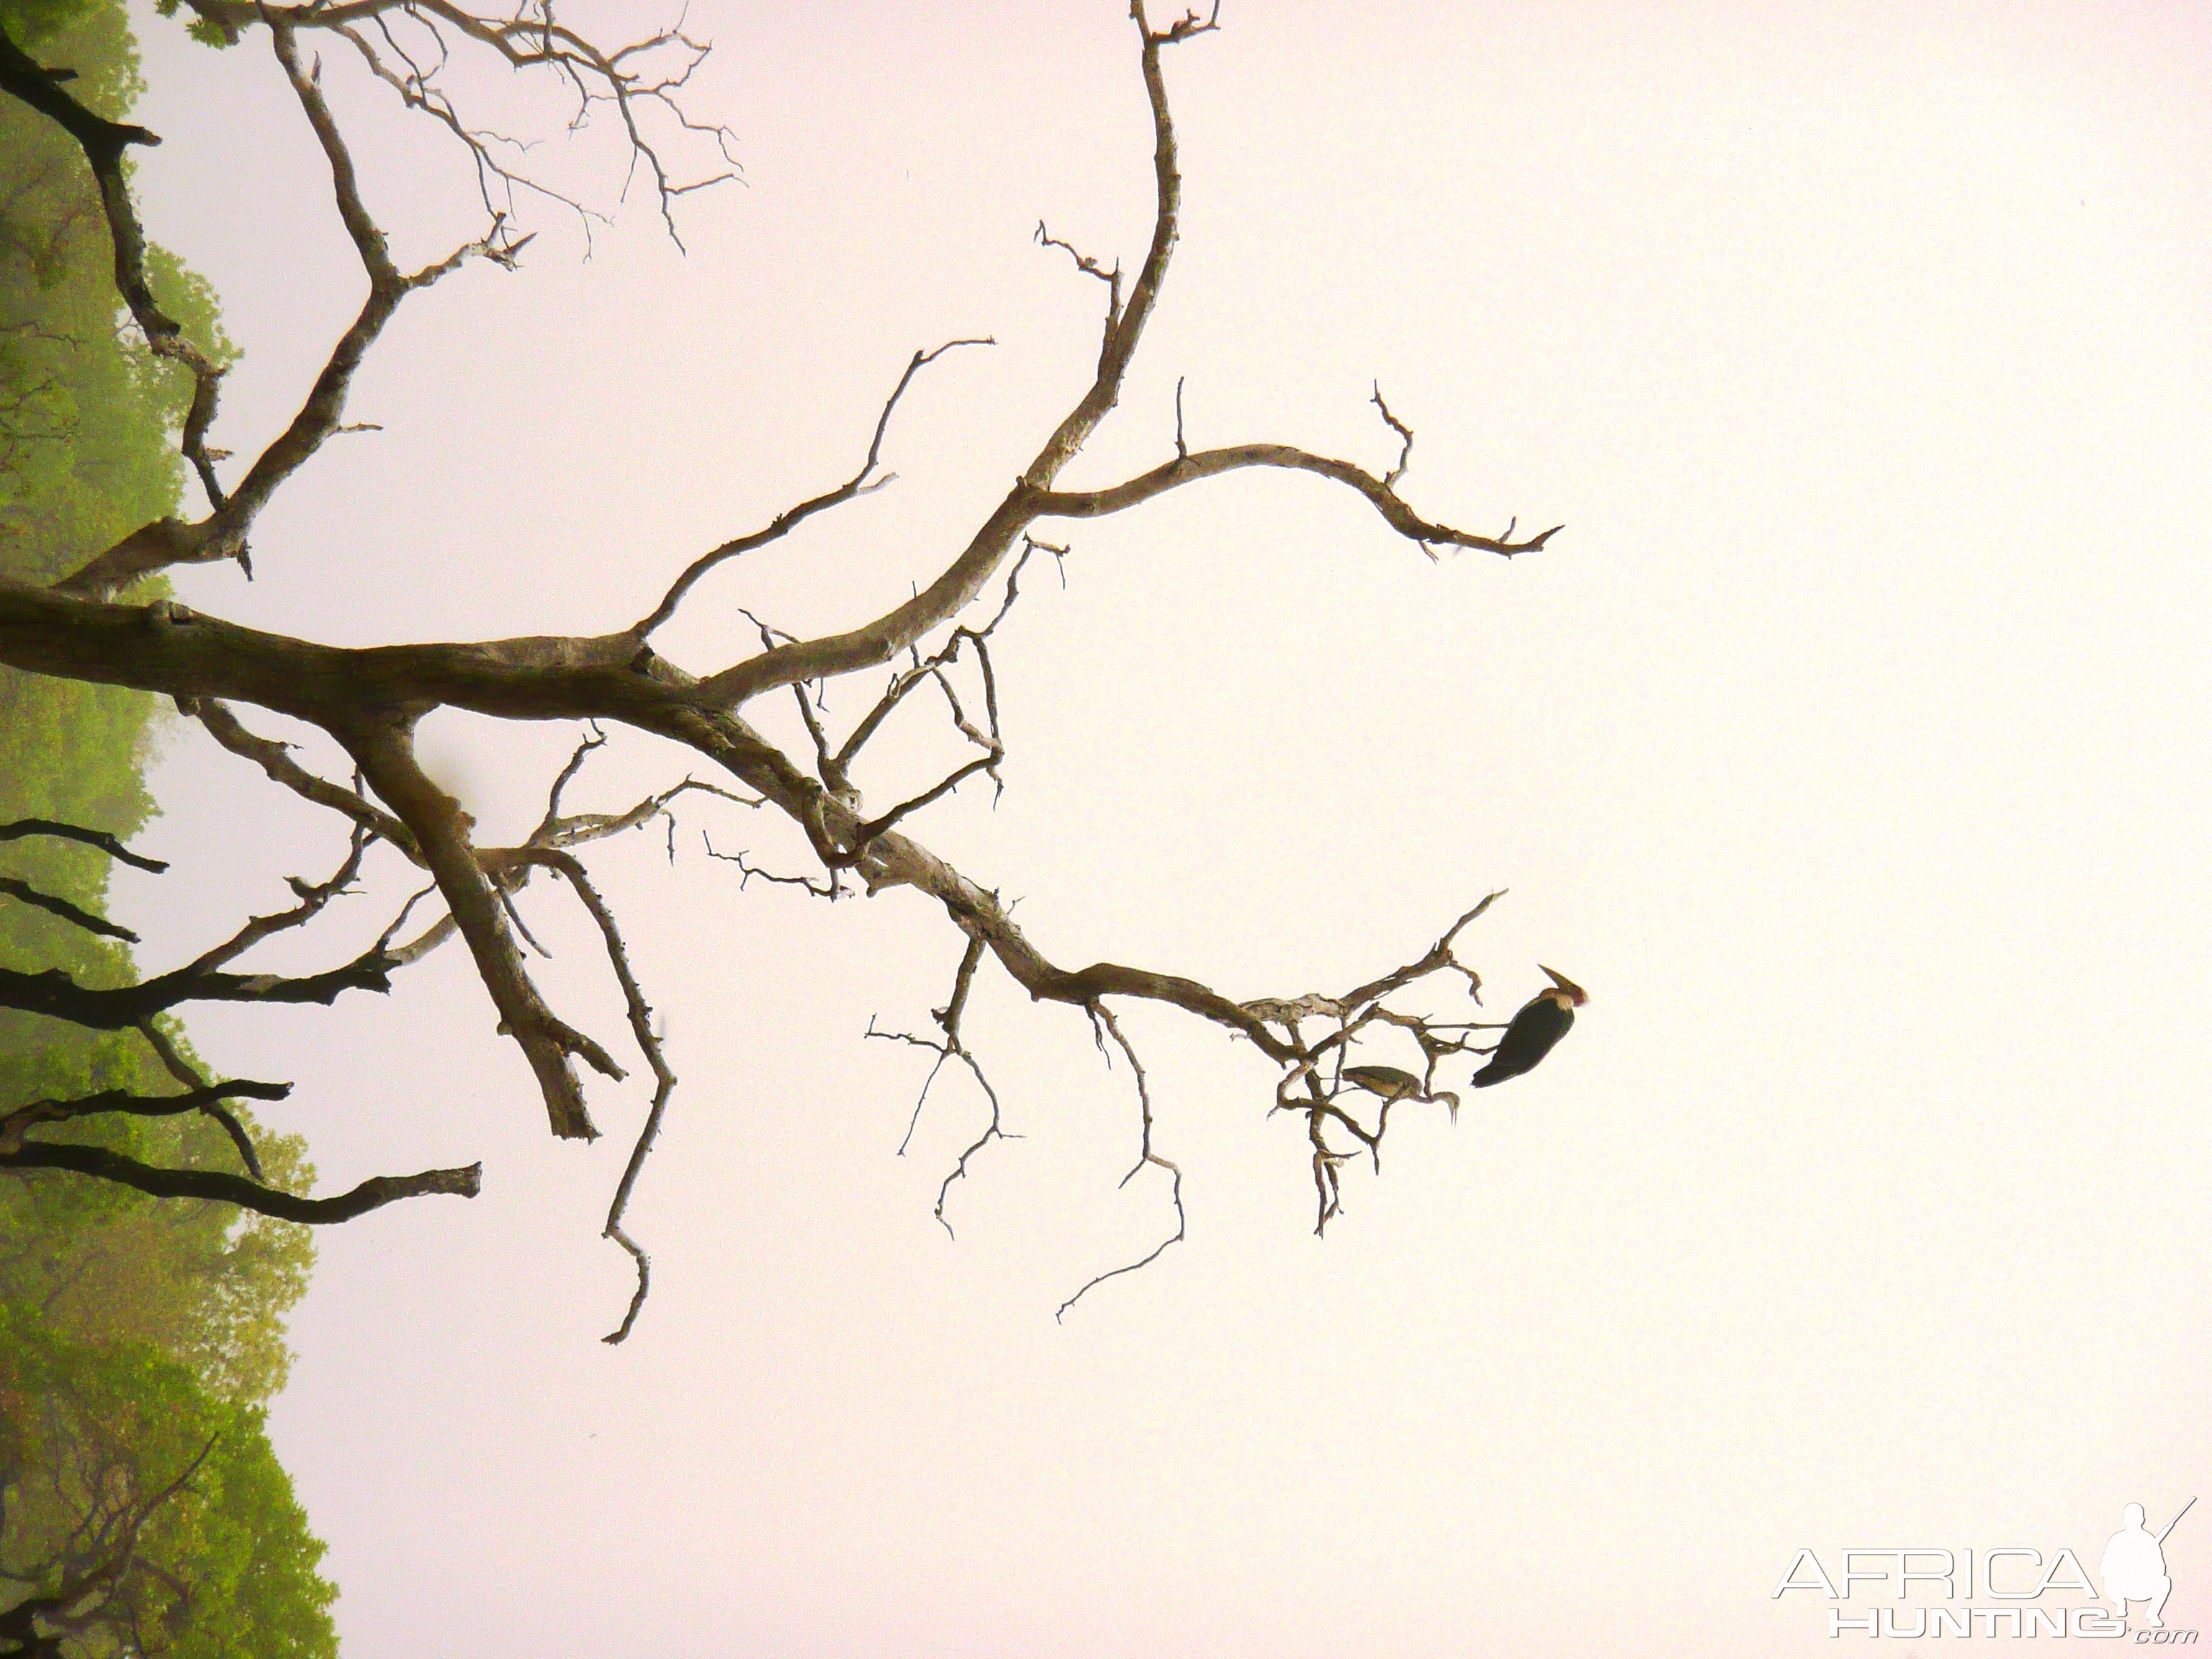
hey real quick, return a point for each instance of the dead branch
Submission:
(879, 641)
(1300, 1089)
(1405, 441)
(206, 1100)
(24, 892)
(104, 142)
(223, 534)
(837, 769)
(385, 756)
(371, 1194)
(747, 870)
(1102, 1016)
(951, 1048)
(275, 758)
(173, 1059)
(575, 828)
(312, 896)
(1091, 267)
(56, 994)
(1213, 463)
(861, 483)
(640, 1025)
(175, 1063)
(370, 700)
(100, 838)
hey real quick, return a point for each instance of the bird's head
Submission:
(1564, 991)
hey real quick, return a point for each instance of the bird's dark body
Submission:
(1533, 1034)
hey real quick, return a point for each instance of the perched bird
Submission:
(1394, 1084)
(1532, 1033)
(1386, 1081)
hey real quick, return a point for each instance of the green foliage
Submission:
(136, 1333)
(207, 33)
(70, 485)
(33, 22)
(150, 1505)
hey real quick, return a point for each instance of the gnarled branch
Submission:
(370, 700)
(373, 1194)
(648, 1042)
(1213, 463)
(386, 755)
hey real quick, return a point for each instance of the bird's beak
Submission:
(1567, 985)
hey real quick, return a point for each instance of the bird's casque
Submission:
(1534, 1031)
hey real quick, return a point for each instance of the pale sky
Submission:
(1849, 746)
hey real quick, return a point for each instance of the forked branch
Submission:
(952, 1047)
(862, 483)
(1380, 494)
(648, 1042)
(207, 1099)
(1102, 1017)
(387, 756)
(104, 143)
(1332, 1054)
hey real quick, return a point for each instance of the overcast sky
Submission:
(1850, 746)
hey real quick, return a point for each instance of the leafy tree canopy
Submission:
(141, 1506)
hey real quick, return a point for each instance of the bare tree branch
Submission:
(1103, 1016)
(275, 758)
(582, 826)
(951, 1048)
(531, 38)
(1334, 1054)
(175, 1063)
(312, 896)
(206, 1100)
(386, 753)
(1213, 463)
(223, 533)
(640, 1025)
(860, 483)
(172, 1058)
(1405, 441)
(56, 994)
(827, 888)
(1301, 1089)
(69, 912)
(100, 838)
(882, 640)
(1091, 267)
(371, 1194)
(104, 142)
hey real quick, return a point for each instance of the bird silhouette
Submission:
(1534, 1031)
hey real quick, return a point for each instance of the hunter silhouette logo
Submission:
(2134, 1568)
(1919, 1592)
